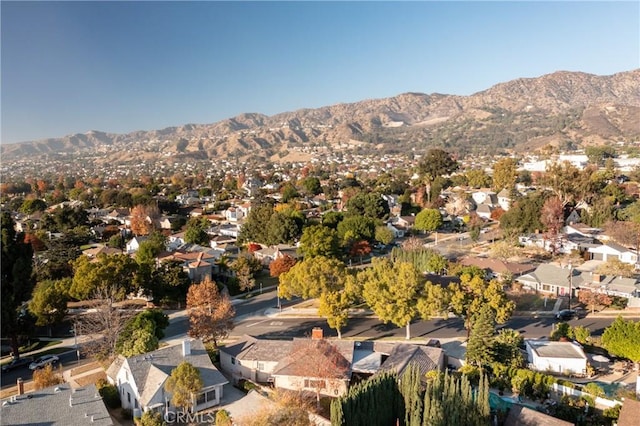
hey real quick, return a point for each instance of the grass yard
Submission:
(90, 379)
(531, 301)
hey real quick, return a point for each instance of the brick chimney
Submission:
(317, 334)
(597, 278)
(20, 386)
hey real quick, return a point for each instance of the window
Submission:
(261, 366)
(233, 361)
(314, 383)
(135, 403)
(545, 287)
(200, 399)
(211, 395)
(128, 397)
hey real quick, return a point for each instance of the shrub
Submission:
(593, 389)
(223, 418)
(109, 393)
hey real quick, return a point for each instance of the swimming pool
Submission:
(610, 389)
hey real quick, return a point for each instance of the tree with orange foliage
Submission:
(593, 299)
(46, 377)
(281, 265)
(143, 219)
(210, 313)
(253, 247)
(36, 243)
(360, 248)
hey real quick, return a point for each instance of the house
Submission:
(140, 379)
(397, 233)
(485, 196)
(613, 250)
(285, 362)
(504, 199)
(556, 357)
(484, 211)
(133, 244)
(269, 254)
(628, 413)
(56, 406)
(519, 415)
(253, 359)
(233, 214)
(611, 285)
(427, 358)
(119, 215)
(498, 268)
(548, 278)
(94, 252)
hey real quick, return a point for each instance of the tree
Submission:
(474, 292)
(140, 341)
(46, 377)
(356, 228)
(621, 339)
(141, 333)
(506, 348)
(246, 267)
(437, 163)
(505, 174)
(391, 290)
(480, 345)
(313, 277)
(144, 219)
(312, 185)
(359, 249)
(184, 383)
(150, 418)
(428, 220)
(552, 218)
(210, 313)
(384, 235)
(593, 299)
(478, 178)
(561, 331)
(16, 282)
(105, 320)
(582, 334)
(334, 306)
(116, 272)
(368, 204)
(319, 240)
(256, 225)
(614, 266)
(49, 301)
(282, 228)
(35, 242)
(281, 265)
(196, 232)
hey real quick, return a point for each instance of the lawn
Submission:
(34, 346)
(531, 301)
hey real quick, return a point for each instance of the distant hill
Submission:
(563, 108)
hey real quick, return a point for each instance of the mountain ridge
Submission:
(560, 107)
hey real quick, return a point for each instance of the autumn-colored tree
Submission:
(359, 249)
(184, 383)
(552, 217)
(47, 376)
(210, 313)
(505, 174)
(616, 267)
(143, 219)
(35, 242)
(320, 362)
(593, 299)
(253, 247)
(281, 265)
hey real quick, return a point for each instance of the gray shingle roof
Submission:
(523, 416)
(296, 363)
(426, 357)
(252, 349)
(51, 407)
(148, 369)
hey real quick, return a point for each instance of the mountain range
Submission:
(563, 109)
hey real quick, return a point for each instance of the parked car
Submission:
(43, 361)
(17, 363)
(566, 314)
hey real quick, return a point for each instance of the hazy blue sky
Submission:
(71, 67)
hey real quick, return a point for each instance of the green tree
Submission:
(562, 331)
(582, 334)
(282, 228)
(196, 232)
(312, 185)
(319, 240)
(478, 178)
(428, 220)
(480, 345)
(256, 225)
(151, 418)
(621, 339)
(313, 277)
(140, 341)
(506, 348)
(355, 228)
(368, 204)
(384, 235)
(49, 301)
(33, 205)
(437, 163)
(246, 267)
(392, 290)
(334, 306)
(114, 271)
(184, 383)
(16, 281)
(331, 219)
(505, 174)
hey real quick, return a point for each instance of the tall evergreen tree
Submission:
(479, 347)
(16, 282)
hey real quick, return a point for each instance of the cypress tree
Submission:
(337, 416)
(479, 352)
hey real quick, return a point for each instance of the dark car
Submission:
(17, 363)
(566, 314)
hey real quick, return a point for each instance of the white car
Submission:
(43, 361)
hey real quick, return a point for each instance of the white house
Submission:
(133, 244)
(556, 357)
(140, 379)
(253, 359)
(612, 250)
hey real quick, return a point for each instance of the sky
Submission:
(71, 67)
